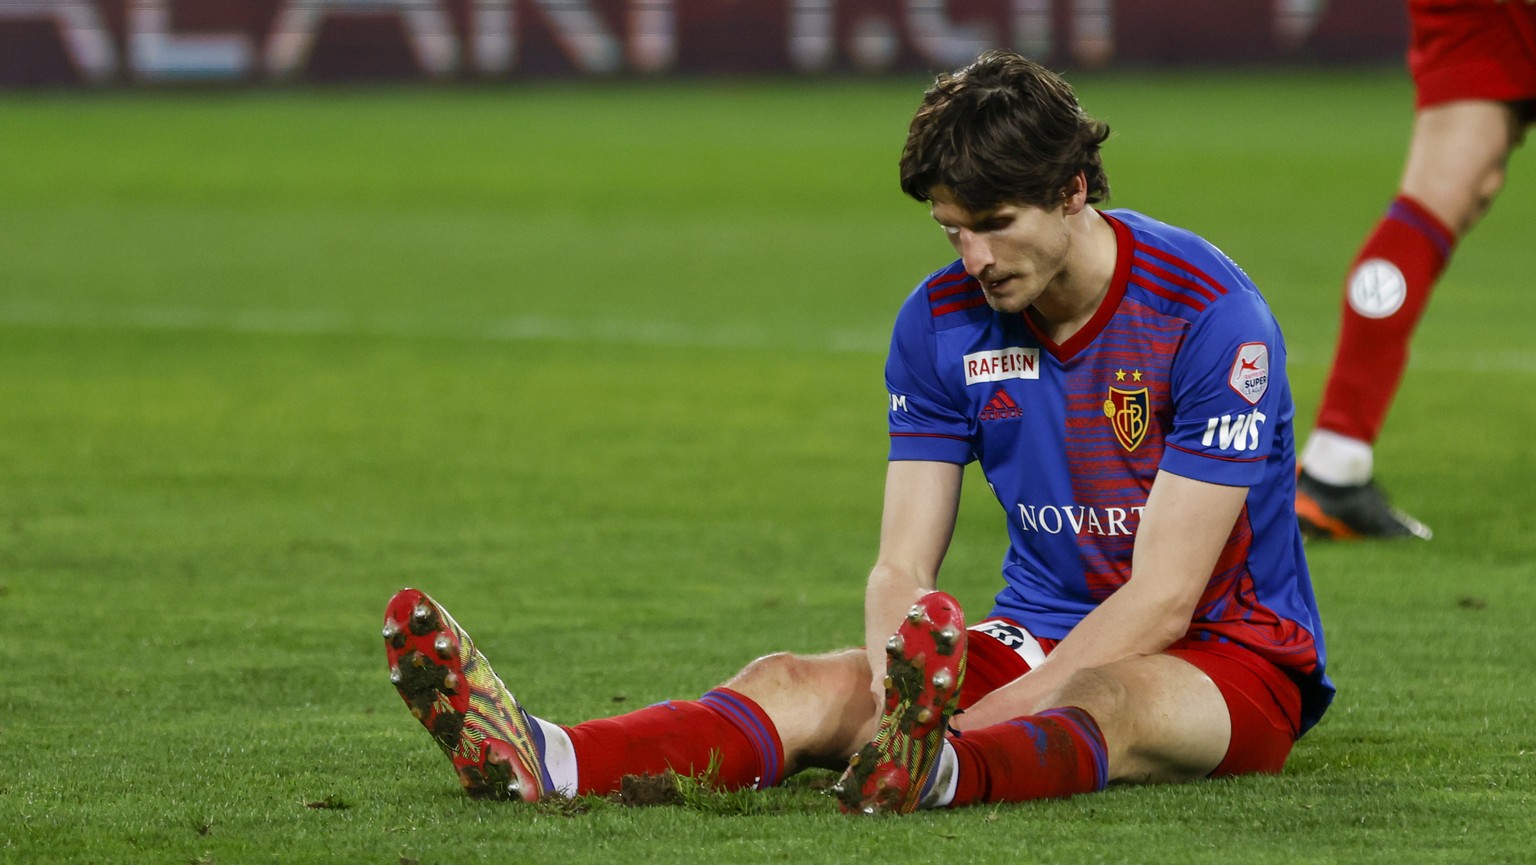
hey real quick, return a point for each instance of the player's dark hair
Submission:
(1003, 130)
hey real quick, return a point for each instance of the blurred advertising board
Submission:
(50, 42)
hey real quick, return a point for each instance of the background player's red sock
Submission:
(681, 736)
(1057, 753)
(1389, 285)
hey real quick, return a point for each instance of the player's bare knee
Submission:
(777, 673)
(787, 676)
(1094, 690)
(819, 704)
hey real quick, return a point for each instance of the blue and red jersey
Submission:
(1181, 369)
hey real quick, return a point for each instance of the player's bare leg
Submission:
(1458, 157)
(1162, 719)
(821, 704)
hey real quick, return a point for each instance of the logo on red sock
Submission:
(1377, 288)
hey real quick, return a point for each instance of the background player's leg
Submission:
(1457, 159)
(1455, 167)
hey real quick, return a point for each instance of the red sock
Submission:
(1389, 285)
(1052, 755)
(684, 737)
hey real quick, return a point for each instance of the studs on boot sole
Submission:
(424, 619)
(393, 634)
(946, 638)
(443, 645)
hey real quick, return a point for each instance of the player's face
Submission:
(1015, 251)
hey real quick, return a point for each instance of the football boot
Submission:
(495, 747)
(1330, 512)
(925, 664)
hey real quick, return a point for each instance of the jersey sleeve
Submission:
(925, 423)
(1228, 391)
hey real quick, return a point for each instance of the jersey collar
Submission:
(1078, 341)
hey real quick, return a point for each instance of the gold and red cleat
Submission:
(925, 665)
(494, 745)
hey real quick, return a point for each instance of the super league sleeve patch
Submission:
(1250, 371)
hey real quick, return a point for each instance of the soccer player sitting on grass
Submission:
(1123, 385)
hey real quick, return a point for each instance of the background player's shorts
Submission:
(1262, 701)
(1473, 49)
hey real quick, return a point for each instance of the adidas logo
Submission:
(1002, 406)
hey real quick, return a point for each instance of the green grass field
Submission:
(600, 368)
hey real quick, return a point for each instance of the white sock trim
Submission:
(1338, 459)
(945, 781)
(559, 756)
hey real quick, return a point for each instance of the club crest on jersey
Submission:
(1129, 413)
(1250, 371)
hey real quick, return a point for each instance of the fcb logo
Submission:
(1129, 413)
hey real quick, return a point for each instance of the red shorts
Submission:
(1262, 701)
(1472, 49)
